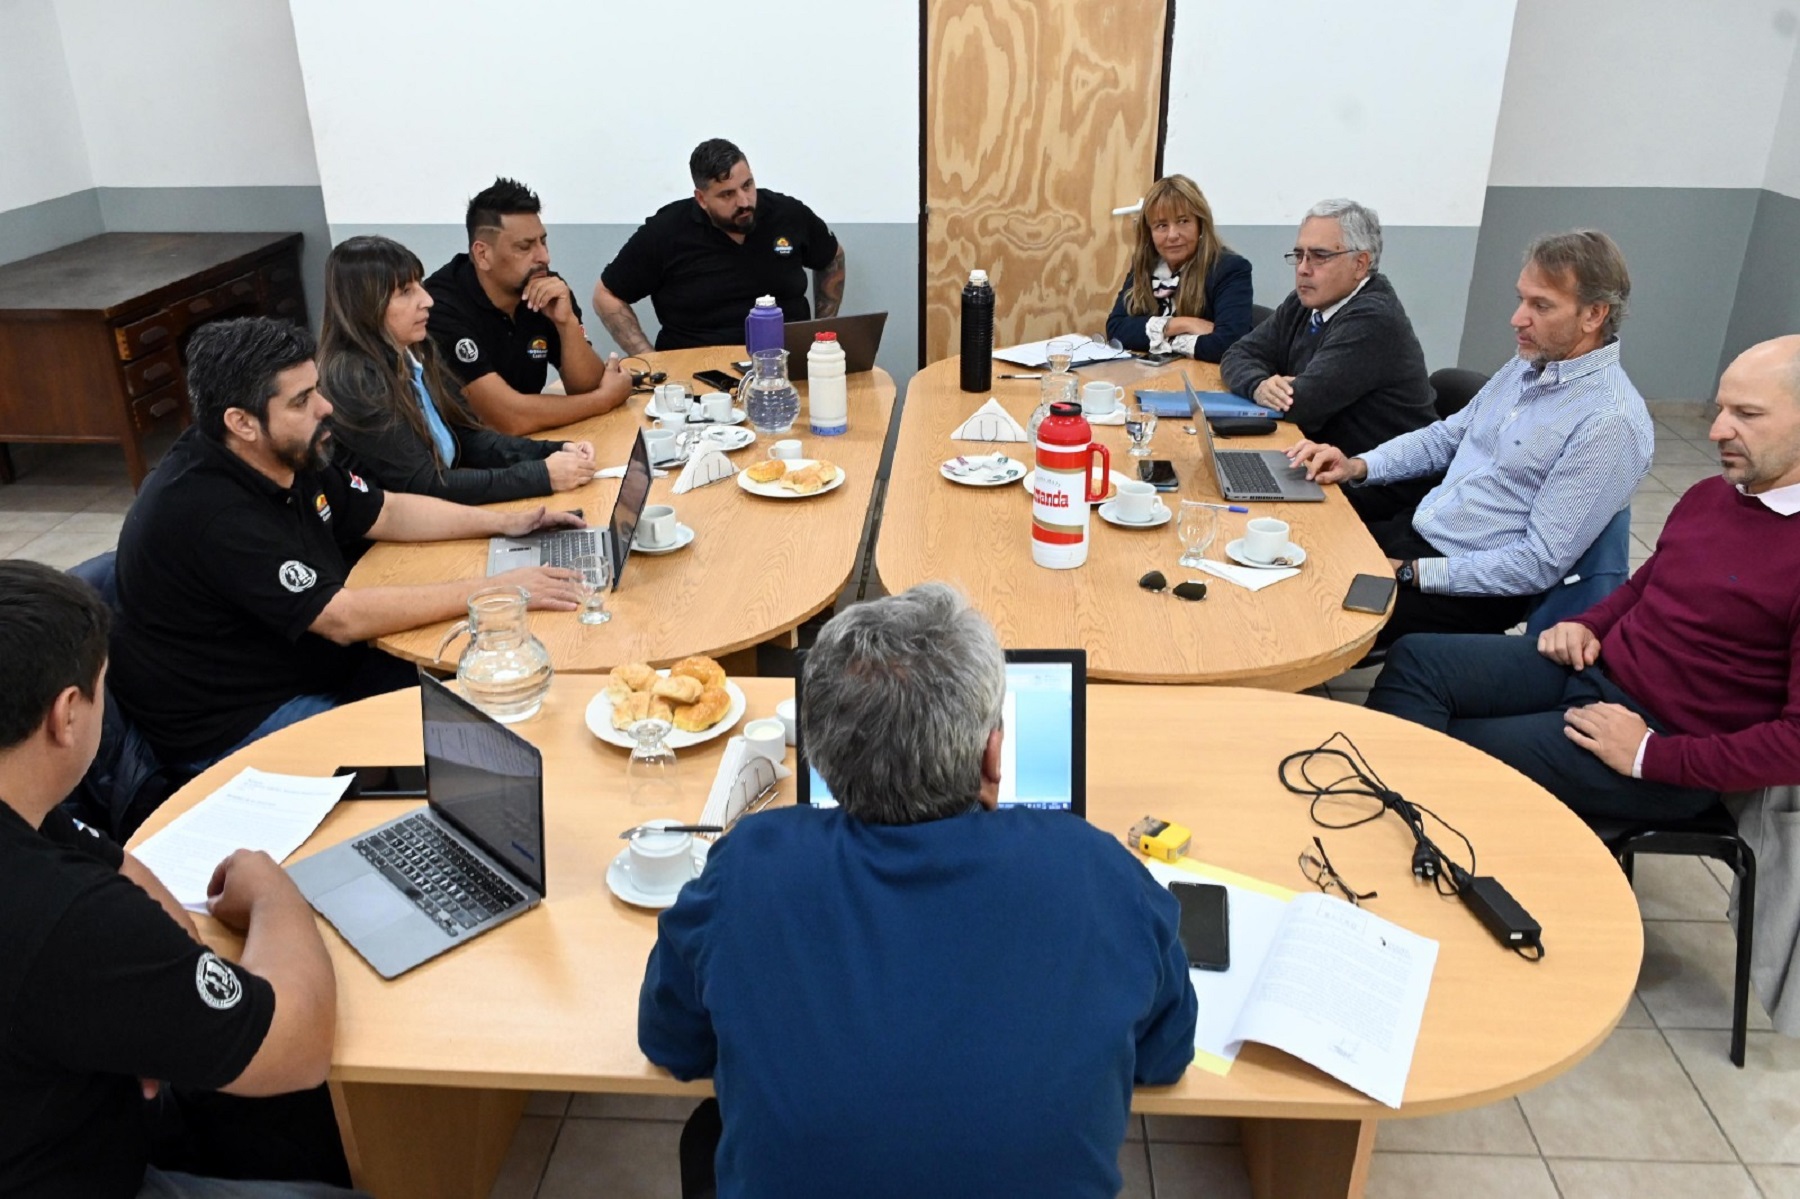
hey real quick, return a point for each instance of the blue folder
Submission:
(1213, 403)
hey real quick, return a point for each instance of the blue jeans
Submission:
(292, 712)
(1500, 695)
(160, 1185)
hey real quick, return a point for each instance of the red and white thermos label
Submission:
(1059, 508)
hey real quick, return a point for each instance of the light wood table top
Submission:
(550, 1000)
(757, 567)
(1287, 637)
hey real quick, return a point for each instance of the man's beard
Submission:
(314, 455)
(742, 221)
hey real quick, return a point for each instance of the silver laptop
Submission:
(859, 335)
(472, 858)
(563, 546)
(1254, 474)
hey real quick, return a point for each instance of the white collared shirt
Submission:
(1325, 314)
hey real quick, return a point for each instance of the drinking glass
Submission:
(652, 776)
(1140, 426)
(595, 571)
(1197, 525)
(1061, 352)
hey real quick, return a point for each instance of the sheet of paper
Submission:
(255, 810)
(1037, 353)
(1344, 990)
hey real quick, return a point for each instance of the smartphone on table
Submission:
(1205, 927)
(718, 380)
(1159, 473)
(1371, 593)
(384, 782)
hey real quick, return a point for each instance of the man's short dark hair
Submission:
(502, 198)
(233, 364)
(53, 630)
(712, 160)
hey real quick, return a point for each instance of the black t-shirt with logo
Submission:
(478, 339)
(221, 573)
(99, 988)
(703, 284)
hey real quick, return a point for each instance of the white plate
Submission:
(1109, 512)
(600, 711)
(738, 416)
(775, 491)
(1117, 479)
(730, 438)
(684, 537)
(1294, 555)
(1014, 469)
(618, 880)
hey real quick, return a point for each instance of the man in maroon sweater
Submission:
(1683, 683)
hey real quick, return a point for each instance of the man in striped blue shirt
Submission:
(1536, 465)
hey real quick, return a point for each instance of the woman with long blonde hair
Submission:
(1187, 293)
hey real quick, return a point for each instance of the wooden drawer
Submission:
(158, 370)
(281, 275)
(239, 293)
(146, 335)
(149, 410)
(287, 305)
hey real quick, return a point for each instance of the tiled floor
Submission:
(1657, 1111)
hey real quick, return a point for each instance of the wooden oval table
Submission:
(431, 1071)
(756, 569)
(1288, 636)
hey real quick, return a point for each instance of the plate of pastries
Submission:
(693, 695)
(790, 478)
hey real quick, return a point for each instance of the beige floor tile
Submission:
(1677, 888)
(1191, 1130)
(65, 497)
(63, 550)
(620, 1159)
(1777, 1182)
(11, 543)
(547, 1103)
(1670, 452)
(1720, 871)
(1651, 485)
(1437, 1175)
(1758, 1106)
(1678, 477)
(1134, 1128)
(633, 1107)
(1134, 1171)
(1498, 1128)
(1651, 507)
(1636, 1015)
(114, 499)
(91, 521)
(526, 1159)
(1687, 977)
(1360, 678)
(1215, 1171)
(1651, 1180)
(34, 523)
(1629, 1101)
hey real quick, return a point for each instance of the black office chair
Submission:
(1713, 834)
(1259, 314)
(1455, 387)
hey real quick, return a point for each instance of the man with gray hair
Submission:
(916, 992)
(1339, 357)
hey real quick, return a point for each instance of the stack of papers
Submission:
(990, 422)
(1037, 353)
(706, 466)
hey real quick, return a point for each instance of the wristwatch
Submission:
(1407, 574)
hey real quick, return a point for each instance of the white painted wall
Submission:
(1645, 93)
(1783, 174)
(189, 93)
(42, 152)
(417, 104)
(1273, 107)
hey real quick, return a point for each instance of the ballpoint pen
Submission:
(1021, 376)
(1223, 507)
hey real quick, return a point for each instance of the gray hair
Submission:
(1597, 266)
(1360, 225)
(901, 694)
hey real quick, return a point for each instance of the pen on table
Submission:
(1021, 376)
(1224, 507)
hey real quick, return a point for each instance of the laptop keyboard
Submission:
(1247, 474)
(444, 880)
(561, 549)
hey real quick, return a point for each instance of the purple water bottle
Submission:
(763, 328)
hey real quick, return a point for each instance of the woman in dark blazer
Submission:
(1187, 293)
(398, 412)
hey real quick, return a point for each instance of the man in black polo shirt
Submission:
(501, 317)
(106, 993)
(232, 562)
(703, 264)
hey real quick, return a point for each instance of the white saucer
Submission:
(1109, 512)
(995, 477)
(618, 879)
(738, 416)
(729, 438)
(1294, 555)
(684, 537)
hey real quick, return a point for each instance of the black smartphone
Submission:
(384, 782)
(1159, 473)
(718, 380)
(1205, 927)
(1163, 359)
(1370, 593)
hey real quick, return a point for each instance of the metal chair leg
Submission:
(1745, 868)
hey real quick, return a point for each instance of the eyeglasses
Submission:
(1192, 590)
(1319, 871)
(1316, 257)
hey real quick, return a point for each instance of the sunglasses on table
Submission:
(1191, 590)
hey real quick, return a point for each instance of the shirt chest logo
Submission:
(783, 247)
(218, 984)
(466, 350)
(356, 481)
(296, 576)
(322, 506)
(539, 349)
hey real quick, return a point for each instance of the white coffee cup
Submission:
(1137, 502)
(1265, 539)
(715, 406)
(787, 448)
(789, 715)
(660, 443)
(656, 526)
(1098, 399)
(766, 737)
(660, 862)
(671, 400)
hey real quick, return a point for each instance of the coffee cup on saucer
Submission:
(788, 448)
(656, 526)
(671, 400)
(1136, 503)
(660, 443)
(1099, 399)
(767, 738)
(714, 406)
(660, 863)
(789, 715)
(1265, 539)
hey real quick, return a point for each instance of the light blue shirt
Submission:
(434, 420)
(1536, 465)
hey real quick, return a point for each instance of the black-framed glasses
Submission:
(1320, 872)
(1316, 257)
(1192, 590)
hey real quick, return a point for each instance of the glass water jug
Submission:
(504, 670)
(768, 395)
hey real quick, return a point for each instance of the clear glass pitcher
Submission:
(768, 395)
(504, 670)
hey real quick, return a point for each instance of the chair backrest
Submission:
(1259, 314)
(1602, 567)
(1455, 387)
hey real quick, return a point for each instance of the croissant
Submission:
(767, 471)
(678, 688)
(636, 675)
(704, 712)
(701, 667)
(631, 709)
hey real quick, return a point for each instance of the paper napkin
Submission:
(990, 422)
(1115, 417)
(718, 800)
(707, 466)
(618, 472)
(1244, 576)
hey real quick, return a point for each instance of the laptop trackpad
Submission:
(364, 905)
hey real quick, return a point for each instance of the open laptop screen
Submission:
(486, 780)
(634, 489)
(1044, 752)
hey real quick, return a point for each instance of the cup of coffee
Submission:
(660, 442)
(659, 863)
(714, 406)
(766, 737)
(787, 448)
(1137, 502)
(1265, 539)
(789, 715)
(671, 400)
(656, 526)
(1098, 399)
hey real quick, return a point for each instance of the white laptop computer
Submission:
(562, 546)
(1255, 474)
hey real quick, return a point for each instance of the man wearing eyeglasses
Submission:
(1339, 357)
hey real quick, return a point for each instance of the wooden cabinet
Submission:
(91, 335)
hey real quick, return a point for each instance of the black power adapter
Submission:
(1511, 924)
